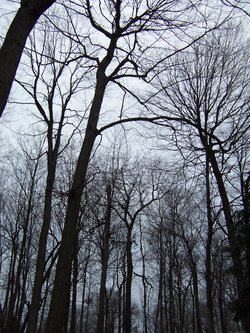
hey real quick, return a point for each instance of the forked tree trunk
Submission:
(58, 313)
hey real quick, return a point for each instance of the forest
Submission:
(124, 166)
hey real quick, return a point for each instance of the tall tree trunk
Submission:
(171, 295)
(58, 312)
(193, 268)
(243, 297)
(10, 283)
(74, 291)
(145, 285)
(196, 298)
(208, 272)
(160, 326)
(61, 291)
(14, 42)
(104, 260)
(25, 279)
(120, 303)
(12, 318)
(52, 155)
(41, 256)
(221, 293)
(43, 310)
(128, 314)
(84, 291)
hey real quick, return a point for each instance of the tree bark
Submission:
(15, 39)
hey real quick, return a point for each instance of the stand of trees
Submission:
(140, 258)
(106, 242)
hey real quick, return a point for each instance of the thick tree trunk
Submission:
(60, 296)
(13, 45)
(58, 313)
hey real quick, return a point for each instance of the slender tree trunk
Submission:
(13, 309)
(14, 42)
(157, 313)
(86, 328)
(128, 314)
(41, 321)
(160, 326)
(145, 296)
(52, 156)
(83, 293)
(223, 320)
(120, 306)
(246, 218)
(105, 259)
(234, 246)
(41, 256)
(10, 285)
(208, 273)
(165, 310)
(171, 296)
(196, 299)
(193, 309)
(74, 291)
(25, 278)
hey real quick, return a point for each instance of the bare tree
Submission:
(116, 62)
(174, 241)
(136, 189)
(207, 98)
(104, 260)
(18, 223)
(52, 98)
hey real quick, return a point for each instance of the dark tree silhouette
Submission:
(13, 45)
